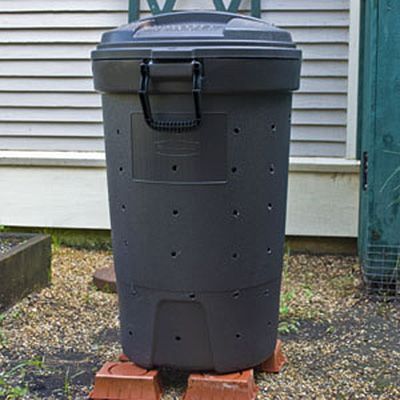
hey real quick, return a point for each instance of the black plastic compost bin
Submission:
(197, 109)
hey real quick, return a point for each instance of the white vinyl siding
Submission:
(47, 100)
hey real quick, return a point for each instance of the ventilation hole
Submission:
(126, 242)
(269, 207)
(235, 256)
(269, 251)
(235, 213)
(121, 169)
(178, 338)
(266, 292)
(236, 131)
(174, 168)
(272, 169)
(118, 131)
(173, 254)
(238, 336)
(175, 212)
(273, 128)
(192, 296)
(236, 294)
(130, 333)
(269, 323)
(123, 207)
(234, 170)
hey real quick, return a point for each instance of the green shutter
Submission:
(233, 6)
(156, 9)
(169, 5)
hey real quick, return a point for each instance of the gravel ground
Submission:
(340, 344)
(7, 243)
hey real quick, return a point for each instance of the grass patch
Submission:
(75, 238)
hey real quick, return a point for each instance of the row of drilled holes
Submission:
(175, 212)
(234, 170)
(273, 129)
(179, 338)
(238, 335)
(174, 254)
(235, 256)
(236, 294)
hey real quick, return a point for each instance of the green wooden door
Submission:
(380, 145)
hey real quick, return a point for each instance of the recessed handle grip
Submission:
(167, 71)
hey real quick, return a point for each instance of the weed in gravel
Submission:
(286, 298)
(55, 244)
(11, 392)
(296, 304)
(13, 384)
(286, 327)
(67, 386)
(287, 324)
(331, 330)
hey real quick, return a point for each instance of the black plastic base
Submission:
(220, 332)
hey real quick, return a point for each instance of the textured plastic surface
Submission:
(198, 217)
(196, 34)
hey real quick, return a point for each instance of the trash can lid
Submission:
(197, 34)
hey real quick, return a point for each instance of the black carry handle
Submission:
(171, 125)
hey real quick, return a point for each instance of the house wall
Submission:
(47, 100)
(52, 169)
(323, 195)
